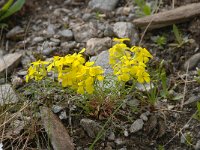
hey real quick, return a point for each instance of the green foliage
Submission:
(165, 91)
(180, 40)
(160, 41)
(197, 78)
(145, 9)
(161, 147)
(177, 34)
(197, 114)
(10, 8)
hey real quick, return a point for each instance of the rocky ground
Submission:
(47, 28)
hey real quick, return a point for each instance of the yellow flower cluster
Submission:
(73, 71)
(129, 63)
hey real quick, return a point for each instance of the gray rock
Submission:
(123, 11)
(38, 40)
(197, 146)
(57, 132)
(67, 34)
(87, 16)
(56, 108)
(126, 30)
(16, 81)
(192, 62)
(63, 115)
(50, 30)
(108, 31)
(9, 62)
(192, 100)
(144, 87)
(144, 117)
(133, 102)
(7, 95)
(55, 40)
(96, 45)
(102, 60)
(119, 141)
(68, 45)
(18, 126)
(124, 148)
(26, 61)
(15, 32)
(84, 32)
(48, 51)
(111, 136)
(91, 127)
(126, 133)
(22, 73)
(136, 126)
(59, 11)
(103, 5)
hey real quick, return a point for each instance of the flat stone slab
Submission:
(9, 62)
(7, 95)
(56, 131)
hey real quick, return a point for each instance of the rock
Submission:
(102, 60)
(192, 62)
(17, 81)
(63, 115)
(119, 141)
(96, 45)
(15, 33)
(144, 117)
(144, 87)
(56, 109)
(50, 30)
(91, 127)
(84, 32)
(108, 31)
(68, 45)
(136, 126)
(124, 11)
(126, 30)
(192, 100)
(103, 5)
(124, 148)
(111, 136)
(59, 11)
(87, 16)
(26, 60)
(22, 73)
(197, 146)
(1, 146)
(9, 62)
(38, 40)
(7, 95)
(67, 34)
(56, 131)
(48, 51)
(126, 133)
(55, 40)
(18, 126)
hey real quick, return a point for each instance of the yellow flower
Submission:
(129, 63)
(121, 40)
(37, 70)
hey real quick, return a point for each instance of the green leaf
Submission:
(198, 106)
(14, 8)
(3, 25)
(6, 6)
(147, 10)
(140, 3)
(177, 34)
